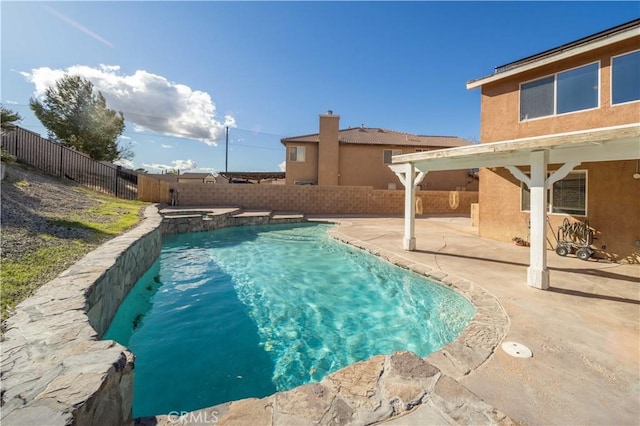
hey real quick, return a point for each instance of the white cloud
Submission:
(126, 163)
(164, 145)
(9, 102)
(185, 164)
(150, 102)
(182, 165)
(126, 138)
(283, 166)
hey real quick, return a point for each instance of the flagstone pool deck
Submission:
(584, 331)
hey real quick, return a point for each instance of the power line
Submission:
(235, 143)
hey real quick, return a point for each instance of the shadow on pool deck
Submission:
(584, 332)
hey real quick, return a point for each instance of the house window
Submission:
(536, 98)
(388, 153)
(567, 196)
(577, 89)
(568, 91)
(296, 154)
(625, 78)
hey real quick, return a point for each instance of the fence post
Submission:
(117, 173)
(61, 156)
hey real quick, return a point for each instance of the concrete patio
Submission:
(584, 331)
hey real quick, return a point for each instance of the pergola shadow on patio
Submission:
(583, 333)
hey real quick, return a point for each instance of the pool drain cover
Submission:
(517, 349)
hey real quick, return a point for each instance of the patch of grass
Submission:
(22, 183)
(111, 218)
(22, 277)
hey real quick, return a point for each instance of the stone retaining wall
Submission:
(55, 370)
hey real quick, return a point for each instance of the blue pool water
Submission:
(248, 311)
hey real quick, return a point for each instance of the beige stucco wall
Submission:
(500, 101)
(613, 209)
(613, 196)
(364, 165)
(304, 170)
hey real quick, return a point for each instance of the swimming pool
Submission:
(248, 311)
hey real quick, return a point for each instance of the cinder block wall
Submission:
(323, 199)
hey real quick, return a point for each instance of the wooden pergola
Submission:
(566, 149)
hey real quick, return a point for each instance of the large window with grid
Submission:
(567, 196)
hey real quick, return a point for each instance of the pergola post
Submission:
(537, 273)
(406, 174)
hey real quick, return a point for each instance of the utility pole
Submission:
(226, 144)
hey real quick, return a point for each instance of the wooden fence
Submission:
(153, 190)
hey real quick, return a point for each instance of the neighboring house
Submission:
(360, 157)
(184, 177)
(196, 178)
(560, 139)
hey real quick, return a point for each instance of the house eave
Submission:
(559, 56)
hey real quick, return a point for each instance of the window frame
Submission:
(555, 92)
(611, 80)
(550, 207)
(393, 152)
(297, 149)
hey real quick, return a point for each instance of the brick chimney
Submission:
(328, 149)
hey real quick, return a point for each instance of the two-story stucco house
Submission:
(360, 157)
(560, 139)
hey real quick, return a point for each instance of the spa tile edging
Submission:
(54, 368)
(386, 386)
(194, 221)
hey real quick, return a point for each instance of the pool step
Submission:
(252, 213)
(287, 215)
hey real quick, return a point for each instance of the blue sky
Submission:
(182, 71)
